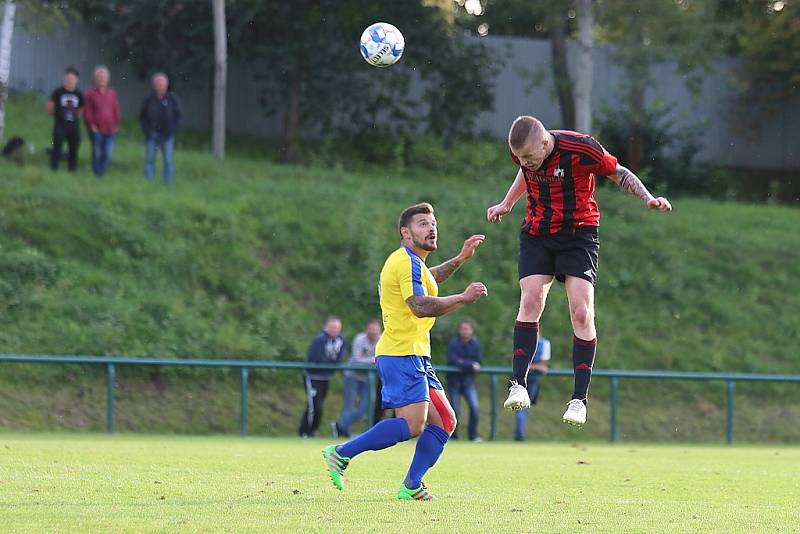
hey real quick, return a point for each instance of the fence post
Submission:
(243, 402)
(613, 432)
(730, 390)
(493, 432)
(111, 379)
(371, 398)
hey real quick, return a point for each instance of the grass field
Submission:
(98, 483)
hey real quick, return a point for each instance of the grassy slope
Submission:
(244, 258)
(135, 484)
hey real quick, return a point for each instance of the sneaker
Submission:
(335, 429)
(419, 494)
(336, 464)
(476, 440)
(518, 398)
(576, 413)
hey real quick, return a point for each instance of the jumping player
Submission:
(409, 305)
(559, 239)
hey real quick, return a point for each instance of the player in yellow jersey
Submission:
(410, 303)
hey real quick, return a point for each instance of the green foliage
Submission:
(311, 49)
(174, 37)
(668, 149)
(315, 51)
(519, 18)
(768, 39)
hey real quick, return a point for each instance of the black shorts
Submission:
(560, 254)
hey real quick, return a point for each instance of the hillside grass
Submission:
(244, 259)
(221, 484)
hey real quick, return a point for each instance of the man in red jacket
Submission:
(102, 119)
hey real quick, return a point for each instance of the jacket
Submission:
(160, 115)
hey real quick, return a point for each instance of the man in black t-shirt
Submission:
(66, 107)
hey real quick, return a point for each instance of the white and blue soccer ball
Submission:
(382, 44)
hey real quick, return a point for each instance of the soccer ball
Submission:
(382, 44)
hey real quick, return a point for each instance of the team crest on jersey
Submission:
(559, 172)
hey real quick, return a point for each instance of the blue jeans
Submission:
(352, 412)
(465, 385)
(522, 415)
(167, 144)
(102, 152)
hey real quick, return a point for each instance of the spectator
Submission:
(102, 119)
(356, 383)
(464, 351)
(537, 369)
(66, 106)
(159, 117)
(327, 347)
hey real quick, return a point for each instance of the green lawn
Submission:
(178, 484)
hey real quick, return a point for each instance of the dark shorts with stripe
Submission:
(560, 254)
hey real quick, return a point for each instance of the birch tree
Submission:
(220, 78)
(6, 33)
(584, 66)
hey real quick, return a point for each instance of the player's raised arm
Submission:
(425, 306)
(443, 271)
(495, 213)
(631, 183)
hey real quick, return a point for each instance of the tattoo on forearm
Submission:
(424, 306)
(632, 184)
(444, 271)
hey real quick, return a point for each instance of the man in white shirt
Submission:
(356, 385)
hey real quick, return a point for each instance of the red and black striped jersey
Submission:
(561, 190)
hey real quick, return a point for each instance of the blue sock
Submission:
(429, 447)
(381, 436)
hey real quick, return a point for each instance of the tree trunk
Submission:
(220, 79)
(6, 33)
(637, 84)
(584, 67)
(292, 125)
(561, 78)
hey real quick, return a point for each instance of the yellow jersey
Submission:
(404, 334)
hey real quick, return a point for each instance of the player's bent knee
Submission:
(416, 429)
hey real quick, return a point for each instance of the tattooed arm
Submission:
(445, 270)
(425, 306)
(631, 183)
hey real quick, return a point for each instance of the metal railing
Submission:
(245, 366)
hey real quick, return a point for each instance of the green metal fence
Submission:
(244, 366)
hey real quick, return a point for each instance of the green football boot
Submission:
(419, 494)
(335, 463)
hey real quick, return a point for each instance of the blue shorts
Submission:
(405, 380)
